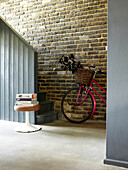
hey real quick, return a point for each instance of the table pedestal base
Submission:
(27, 127)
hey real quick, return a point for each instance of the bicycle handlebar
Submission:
(101, 72)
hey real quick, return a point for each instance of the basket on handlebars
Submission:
(83, 76)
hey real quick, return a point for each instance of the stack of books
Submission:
(26, 100)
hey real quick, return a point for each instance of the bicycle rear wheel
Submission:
(76, 113)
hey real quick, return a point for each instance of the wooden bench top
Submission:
(27, 108)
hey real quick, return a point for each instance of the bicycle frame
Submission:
(93, 81)
(89, 92)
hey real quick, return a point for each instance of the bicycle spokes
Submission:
(75, 107)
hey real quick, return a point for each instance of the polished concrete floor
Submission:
(58, 146)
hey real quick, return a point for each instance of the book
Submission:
(32, 96)
(26, 99)
(26, 104)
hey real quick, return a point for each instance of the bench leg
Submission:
(27, 118)
(27, 127)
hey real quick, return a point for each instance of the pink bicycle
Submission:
(79, 104)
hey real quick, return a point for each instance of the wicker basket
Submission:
(83, 76)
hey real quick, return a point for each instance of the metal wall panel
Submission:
(17, 70)
(117, 84)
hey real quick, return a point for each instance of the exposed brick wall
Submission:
(62, 27)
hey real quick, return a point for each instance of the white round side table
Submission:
(27, 127)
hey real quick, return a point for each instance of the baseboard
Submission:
(96, 121)
(116, 162)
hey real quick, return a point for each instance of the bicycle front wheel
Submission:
(76, 112)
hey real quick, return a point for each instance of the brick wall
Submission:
(56, 27)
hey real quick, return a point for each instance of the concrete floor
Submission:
(58, 146)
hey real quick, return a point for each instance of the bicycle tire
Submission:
(76, 113)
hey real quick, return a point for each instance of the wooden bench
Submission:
(27, 127)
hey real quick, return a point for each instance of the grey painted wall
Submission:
(117, 107)
(17, 70)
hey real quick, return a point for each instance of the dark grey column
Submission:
(117, 98)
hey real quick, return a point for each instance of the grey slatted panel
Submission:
(25, 69)
(0, 67)
(20, 73)
(6, 71)
(31, 71)
(31, 80)
(25, 73)
(2, 71)
(11, 97)
(15, 75)
(35, 72)
(35, 78)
